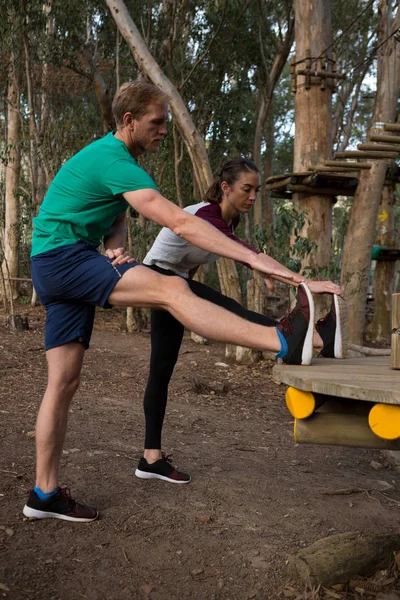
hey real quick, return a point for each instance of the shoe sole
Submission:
(341, 317)
(307, 352)
(33, 513)
(146, 475)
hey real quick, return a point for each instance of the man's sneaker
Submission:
(298, 327)
(161, 469)
(59, 506)
(331, 329)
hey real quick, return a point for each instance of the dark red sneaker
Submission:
(298, 328)
(58, 506)
(331, 329)
(161, 469)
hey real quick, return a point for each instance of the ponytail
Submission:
(214, 193)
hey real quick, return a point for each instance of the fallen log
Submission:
(369, 351)
(339, 558)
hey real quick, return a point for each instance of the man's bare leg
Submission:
(64, 367)
(143, 287)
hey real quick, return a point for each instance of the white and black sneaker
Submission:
(161, 469)
(59, 505)
(331, 328)
(298, 327)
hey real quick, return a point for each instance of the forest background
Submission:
(229, 62)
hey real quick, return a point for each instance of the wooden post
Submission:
(395, 361)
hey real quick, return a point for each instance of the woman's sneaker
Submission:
(297, 328)
(161, 469)
(59, 506)
(331, 329)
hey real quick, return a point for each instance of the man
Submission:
(85, 203)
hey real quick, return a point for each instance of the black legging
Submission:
(166, 339)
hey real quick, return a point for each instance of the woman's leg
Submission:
(207, 293)
(166, 339)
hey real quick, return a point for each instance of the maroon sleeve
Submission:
(212, 214)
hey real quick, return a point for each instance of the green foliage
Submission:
(283, 241)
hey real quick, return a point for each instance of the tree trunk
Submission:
(313, 125)
(380, 328)
(193, 140)
(364, 214)
(266, 99)
(12, 174)
(101, 89)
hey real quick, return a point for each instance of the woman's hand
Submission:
(119, 256)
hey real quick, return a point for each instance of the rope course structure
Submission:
(338, 177)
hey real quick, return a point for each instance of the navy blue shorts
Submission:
(71, 281)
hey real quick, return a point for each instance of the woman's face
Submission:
(242, 194)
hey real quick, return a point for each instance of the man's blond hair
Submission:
(135, 97)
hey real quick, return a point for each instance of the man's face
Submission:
(150, 130)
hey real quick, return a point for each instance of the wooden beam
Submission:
(339, 177)
(395, 360)
(321, 191)
(390, 139)
(357, 154)
(278, 183)
(322, 74)
(340, 430)
(347, 165)
(379, 147)
(392, 127)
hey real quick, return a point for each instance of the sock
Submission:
(284, 347)
(44, 495)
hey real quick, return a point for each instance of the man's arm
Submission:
(116, 236)
(152, 205)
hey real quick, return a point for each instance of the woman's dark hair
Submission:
(230, 172)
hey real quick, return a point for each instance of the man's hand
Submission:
(269, 268)
(324, 287)
(119, 256)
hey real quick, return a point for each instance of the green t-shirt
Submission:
(85, 196)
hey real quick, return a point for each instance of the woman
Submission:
(233, 193)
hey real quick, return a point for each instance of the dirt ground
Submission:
(256, 497)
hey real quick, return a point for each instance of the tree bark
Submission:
(364, 214)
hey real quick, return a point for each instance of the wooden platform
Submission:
(370, 379)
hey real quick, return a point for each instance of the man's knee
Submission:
(64, 385)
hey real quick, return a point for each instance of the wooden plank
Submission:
(390, 139)
(395, 361)
(392, 127)
(379, 147)
(358, 154)
(370, 378)
(355, 165)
